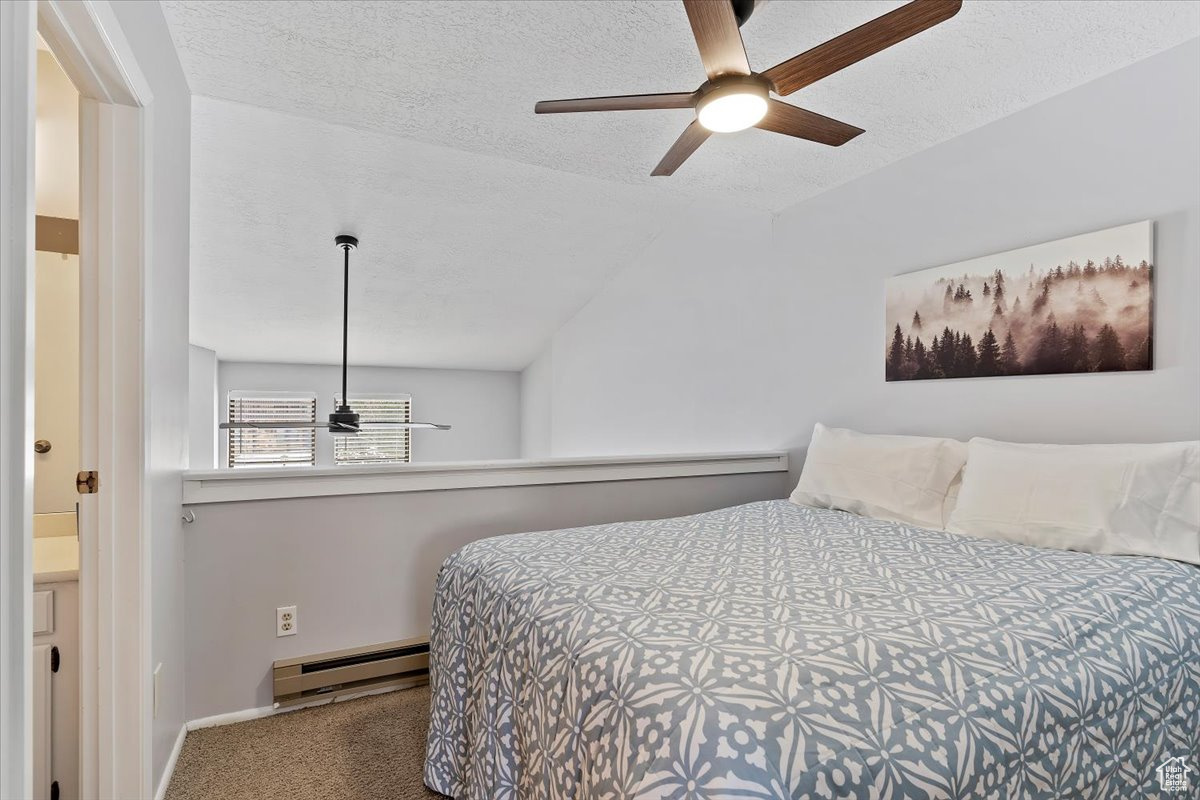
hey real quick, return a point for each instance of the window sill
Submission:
(231, 486)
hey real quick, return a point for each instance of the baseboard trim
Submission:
(169, 769)
(245, 715)
(217, 720)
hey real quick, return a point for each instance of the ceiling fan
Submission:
(344, 420)
(735, 97)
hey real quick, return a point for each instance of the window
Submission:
(381, 445)
(272, 447)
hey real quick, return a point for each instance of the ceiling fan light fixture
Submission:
(735, 97)
(732, 106)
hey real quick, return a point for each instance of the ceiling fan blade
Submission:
(692, 137)
(265, 424)
(628, 102)
(716, 30)
(236, 426)
(416, 426)
(855, 45)
(792, 121)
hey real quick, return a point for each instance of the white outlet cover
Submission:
(286, 621)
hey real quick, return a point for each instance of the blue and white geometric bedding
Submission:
(778, 651)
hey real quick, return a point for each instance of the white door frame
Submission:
(115, 112)
(17, 110)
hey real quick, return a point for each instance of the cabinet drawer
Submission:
(43, 612)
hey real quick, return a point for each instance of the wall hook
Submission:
(189, 516)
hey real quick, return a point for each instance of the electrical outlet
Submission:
(286, 621)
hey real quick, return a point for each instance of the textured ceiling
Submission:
(497, 224)
(466, 260)
(466, 75)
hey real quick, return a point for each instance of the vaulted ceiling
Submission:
(484, 226)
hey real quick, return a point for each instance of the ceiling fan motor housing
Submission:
(742, 9)
(344, 417)
(733, 84)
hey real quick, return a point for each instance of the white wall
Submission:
(56, 318)
(202, 408)
(166, 342)
(483, 407)
(535, 407)
(696, 347)
(678, 354)
(56, 383)
(56, 154)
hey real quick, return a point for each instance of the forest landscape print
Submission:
(1081, 304)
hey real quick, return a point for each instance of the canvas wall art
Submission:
(1081, 304)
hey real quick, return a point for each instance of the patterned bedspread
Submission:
(779, 651)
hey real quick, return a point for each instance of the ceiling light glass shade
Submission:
(733, 108)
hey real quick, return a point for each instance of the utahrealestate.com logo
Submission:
(1173, 775)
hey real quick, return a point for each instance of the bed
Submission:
(775, 650)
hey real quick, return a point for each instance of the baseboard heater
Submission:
(361, 669)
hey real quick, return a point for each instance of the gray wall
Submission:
(743, 332)
(535, 408)
(202, 408)
(166, 341)
(483, 407)
(361, 569)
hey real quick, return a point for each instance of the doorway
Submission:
(113, 548)
(56, 424)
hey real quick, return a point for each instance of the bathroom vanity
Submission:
(56, 667)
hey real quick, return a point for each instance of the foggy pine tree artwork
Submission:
(1081, 304)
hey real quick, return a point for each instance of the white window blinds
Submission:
(384, 445)
(272, 447)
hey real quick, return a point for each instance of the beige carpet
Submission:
(373, 747)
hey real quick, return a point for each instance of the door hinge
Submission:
(54, 790)
(87, 482)
(55, 659)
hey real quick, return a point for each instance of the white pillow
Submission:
(899, 478)
(1132, 499)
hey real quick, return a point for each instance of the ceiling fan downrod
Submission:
(344, 419)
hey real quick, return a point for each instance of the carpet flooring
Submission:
(372, 747)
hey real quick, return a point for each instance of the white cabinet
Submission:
(56, 689)
(43, 708)
(43, 611)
